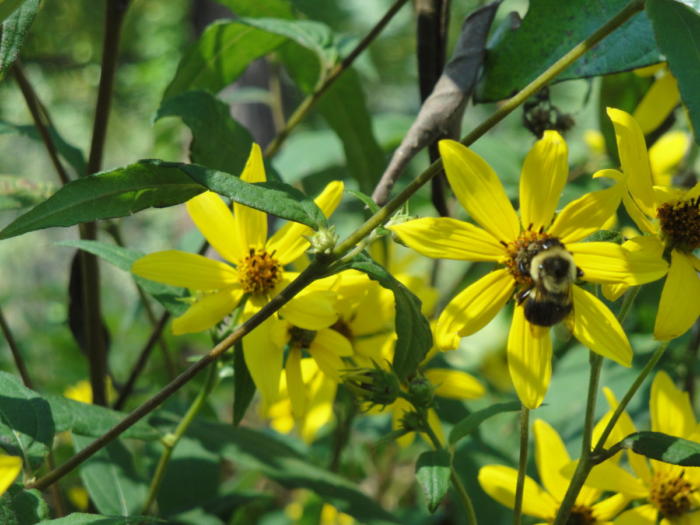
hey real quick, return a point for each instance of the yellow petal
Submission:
(642, 515)
(446, 238)
(10, 467)
(333, 341)
(312, 310)
(472, 309)
(295, 383)
(289, 242)
(638, 216)
(251, 224)
(608, 508)
(610, 477)
(551, 456)
(320, 407)
(598, 329)
(185, 269)
(207, 311)
(633, 155)
(606, 262)
(679, 306)
(670, 408)
(327, 360)
(454, 384)
(586, 215)
(529, 359)
(263, 357)
(215, 221)
(479, 190)
(499, 482)
(666, 154)
(542, 180)
(658, 103)
(612, 292)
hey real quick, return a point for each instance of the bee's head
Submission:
(553, 269)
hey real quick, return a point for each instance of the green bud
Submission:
(324, 241)
(373, 385)
(421, 392)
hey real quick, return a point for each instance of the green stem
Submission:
(16, 354)
(309, 102)
(584, 463)
(470, 514)
(171, 440)
(506, 108)
(522, 464)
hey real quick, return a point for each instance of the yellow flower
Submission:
(313, 413)
(671, 217)
(502, 240)
(256, 269)
(551, 458)
(672, 493)
(82, 391)
(659, 101)
(10, 467)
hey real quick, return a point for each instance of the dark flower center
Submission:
(300, 338)
(671, 495)
(680, 224)
(581, 515)
(259, 272)
(522, 250)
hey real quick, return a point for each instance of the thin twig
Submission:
(16, 354)
(40, 120)
(96, 345)
(306, 105)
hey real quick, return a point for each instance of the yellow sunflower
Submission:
(670, 494)
(670, 217)
(514, 243)
(551, 457)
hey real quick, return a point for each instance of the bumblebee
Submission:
(553, 271)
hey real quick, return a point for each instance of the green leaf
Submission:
(22, 507)
(218, 141)
(267, 454)
(111, 480)
(344, 107)
(26, 424)
(67, 151)
(663, 447)
(16, 192)
(114, 193)
(93, 420)
(243, 385)
(677, 30)
(7, 7)
(550, 29)
(414, 337)
(220, 56)
(272, 197)
(273, 8)
(14, 29)
(366, 200)
(433, 475)
(79, 518)
(470, 423)
(170, 297)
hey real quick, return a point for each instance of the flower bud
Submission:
(373, 385)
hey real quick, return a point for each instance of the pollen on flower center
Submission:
(680, 224)
(521, 251)
(259, 272)
(671, 495)
(581, 515)
(300, 338)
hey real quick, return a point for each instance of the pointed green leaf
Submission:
(14, 29)
(218, 141)
(111, 480)
(80, 518)
(433, 475)
(550, 29)
(243, 385)
(663, 447)
(19, 506)
(470, 423)
(114, 193)
(273, 8)
(26, 424)
(7, 7)
(414, 337)
(677, 29)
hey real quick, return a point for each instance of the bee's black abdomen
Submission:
(545, 312)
